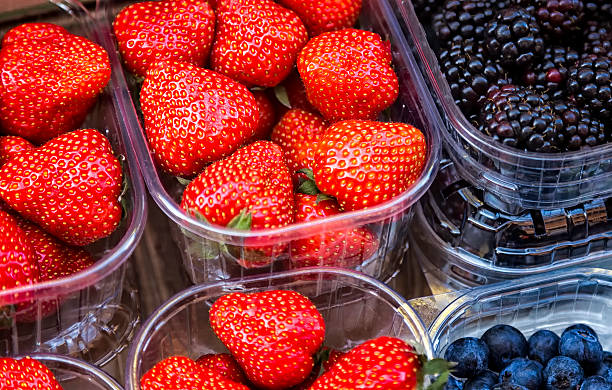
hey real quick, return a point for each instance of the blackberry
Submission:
(598, 39)
(598, 9)
(549, 76)
(514, 37)
(579, 128)
(463, 20)
(470, 75)
(425, 8)
(591, 84)
(519, 117)
(560, 18)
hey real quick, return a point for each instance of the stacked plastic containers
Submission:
(496, 213)
(212, 253)
(96, 315)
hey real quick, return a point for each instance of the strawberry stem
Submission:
(242, 221)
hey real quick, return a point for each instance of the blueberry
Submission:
(595, 383)
(509, 386)
(453, 384)
(505, 343)
(604, 371)
(582, 346)
(523, 372)
(562, 373)
(581, 327)
(543, 346)
(486, 380)
(470, 354)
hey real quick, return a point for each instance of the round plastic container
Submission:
(73, 374)
(181, 325)
(553, 301)
(514, 178)
(95, 315)
(213, 252)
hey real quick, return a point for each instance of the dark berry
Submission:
(598, 39)
(485, 380)
(425, 8)
(543, 346)
(591, 83)
(549, 75)
(514, 38)
(505, 343)
(509, 386)
(598, 9)
(453, 384)
(470, 354)
(562, 373)
(523, 372)
(605, 372)
(580, 128)
(582, 328)
(595, 383)
(583, 347)
(560, 18)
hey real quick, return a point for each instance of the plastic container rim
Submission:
(403, 308)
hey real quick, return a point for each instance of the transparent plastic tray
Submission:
(553, 301)
(199, 243)
(73, 374)
(514, 178)
(91, 300)
(181, 325)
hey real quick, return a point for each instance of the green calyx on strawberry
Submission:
(69, 186)
(153, 31)
(348, 74)
(365, 163)
(50, 79)
(321, 16)
(273, 335)
(257, 41)
(292, 94)
(194, 116)
(26, 373)
(384, 363)
(225, 365)
(182, 373)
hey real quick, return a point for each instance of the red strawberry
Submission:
(257, 41)
(194, 116)
(292, 94)
(223, 364)
(384, 363)
(347, 74)
(70, 186)
(11, 145)
(341, 248)
(182, 373)
(273, 335)
(26, 373)
(365, 163)
(152, 31)
(17, 257)
(267, 115)
(297, 133)
(321, 16)
(333, 358)
(254, 179)
(50, 79)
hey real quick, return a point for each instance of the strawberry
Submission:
(17, 257)
(11, 145)
(291, 93)
(365, 163)
(152, 31)
(333, 358)
(384, 363)
(341, 248)
(26, 373)
(297, 133)
(321, 16)
(272, 334)
(50, 79)
(347, 74)
(267, 115)
(182, 373)
(254, 179)
(257, 41)
(223, 364)
(70, 186)
(194, 116)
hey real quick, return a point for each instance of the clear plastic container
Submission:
(95, 317)
(203, 257)
(73, 374)
(181, 325)
(514, 178)
(553, 301)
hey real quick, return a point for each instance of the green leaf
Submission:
(198, 215)
(207, 249)
(435, 367)
(7, 313)
(307, 172)
(242, 221)
(183, 181)
(440, 382)
(308, 187)
(281, 95)
(323, 197)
